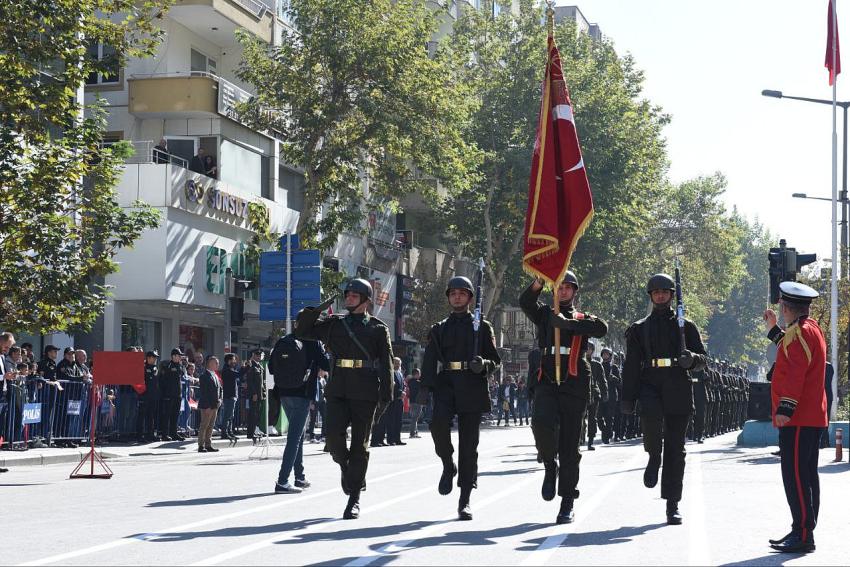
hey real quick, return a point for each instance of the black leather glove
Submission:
(627, 407)
(686, 359)
(476, 365)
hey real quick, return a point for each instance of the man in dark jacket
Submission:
(460, 387)
(208, 404)
(657, 372)
(171, 377)
(257, 391)
(361, 377)
(149, 401)
(560, 403)
(295, 403)
(230, 394)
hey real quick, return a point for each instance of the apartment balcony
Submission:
(217, 20)
(184, 95)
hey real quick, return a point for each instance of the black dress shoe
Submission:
(445, 486)
(202, 450)
(549, 479)
(783, 539)
(352, 509)
(650, 475)
(591, 448)
(211, 449)
(566, 515)
(674, 518)
(464, 512)
(795, 544)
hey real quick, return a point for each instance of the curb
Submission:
(32, 458)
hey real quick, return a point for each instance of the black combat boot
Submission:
(650, 475)
(449, 472)
(352, 509)
(566, 514)
(548, 490)
(674, 518)
(464, 512)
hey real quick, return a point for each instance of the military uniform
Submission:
(611, 407)
(256, 382)
(559, 410)
(797, 393)
(357, 383)
(171, 377)
(460, 388)
(700, 404)
(657, 373)
(149, 404)
(599, 397)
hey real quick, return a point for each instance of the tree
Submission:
(354, 93)
(60, 221)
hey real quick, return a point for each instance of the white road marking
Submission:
(549, 545)
(401, 545)
(698, 551)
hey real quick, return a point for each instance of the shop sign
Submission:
(219, 259)
(215, 199)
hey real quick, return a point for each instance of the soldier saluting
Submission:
(362, 376)
(559, 408)
(656, 373)
(455, 369)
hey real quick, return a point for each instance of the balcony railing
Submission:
(145, 151)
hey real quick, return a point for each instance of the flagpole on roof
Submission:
(833, 318)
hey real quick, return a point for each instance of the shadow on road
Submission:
(382, 560)
(605, 537)
(774, 558)
(231, 531)
(509, 472)
(357, 533)
(208, 500)
(833, 468)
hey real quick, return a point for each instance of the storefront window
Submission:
(196, 342)
(141, 332)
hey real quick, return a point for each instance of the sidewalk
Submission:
(53, 455)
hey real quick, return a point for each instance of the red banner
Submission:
(118, 368)
(560, 205)
(832, 60)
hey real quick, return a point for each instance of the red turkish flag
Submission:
(560, 204)
(833, 64)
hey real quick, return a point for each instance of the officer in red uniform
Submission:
(798, 404)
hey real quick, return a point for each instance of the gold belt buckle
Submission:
(456, 365)
(663, 363)
(348, 363)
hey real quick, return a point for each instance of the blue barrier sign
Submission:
(32, 413)
(74, 407)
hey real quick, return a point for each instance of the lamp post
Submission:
(842, 198)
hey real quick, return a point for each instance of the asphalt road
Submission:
(195, 509)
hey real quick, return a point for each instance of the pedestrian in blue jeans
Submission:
(295, 361)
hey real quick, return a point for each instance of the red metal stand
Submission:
(92, 455)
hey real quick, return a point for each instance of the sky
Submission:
(706, 63)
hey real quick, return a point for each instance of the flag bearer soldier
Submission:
(361, 380)
(559, 408)
(657, 373)
(457, 375)
(798, 404)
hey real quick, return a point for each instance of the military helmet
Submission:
(606, 349)
(359, 285)
(460, 282)
(571, 279)
(660, 281)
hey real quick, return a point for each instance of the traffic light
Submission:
(785, 264)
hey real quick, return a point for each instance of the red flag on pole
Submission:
(560, 204)
(833, 48)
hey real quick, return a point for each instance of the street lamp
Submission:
(842, 198)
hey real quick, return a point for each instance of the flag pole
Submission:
(556, 299)
(833, 318)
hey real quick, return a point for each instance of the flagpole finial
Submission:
(550, 17)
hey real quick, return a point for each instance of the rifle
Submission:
(476, 315)
(680, 308)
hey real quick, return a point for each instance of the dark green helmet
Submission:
(571, 279)
(660, 281)
(361, 286)
(460, 282)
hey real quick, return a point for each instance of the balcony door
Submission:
(182, 146)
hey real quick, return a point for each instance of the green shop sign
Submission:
(242, 267)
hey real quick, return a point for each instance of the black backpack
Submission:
(289, 363)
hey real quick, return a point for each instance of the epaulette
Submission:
(795, 333)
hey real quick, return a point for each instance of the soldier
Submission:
(362, 377)
(455, 368)
(700, 405)
(798, 406)
(559, 409)
(149, 405)
(599, 396)
(255, 378)
(656, 373)
(612, 406)
(172, 374)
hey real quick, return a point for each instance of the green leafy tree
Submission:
(60, 221)
(355, 94)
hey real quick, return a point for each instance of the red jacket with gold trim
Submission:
(797, 389)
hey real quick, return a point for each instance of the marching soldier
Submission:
(599, 397)
(798, 404)
(457, 375)
(559, 409)
(700, 404)
(657, 373)
(362, 377)
(612, 406)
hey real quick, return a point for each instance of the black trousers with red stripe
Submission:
(798, 447)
